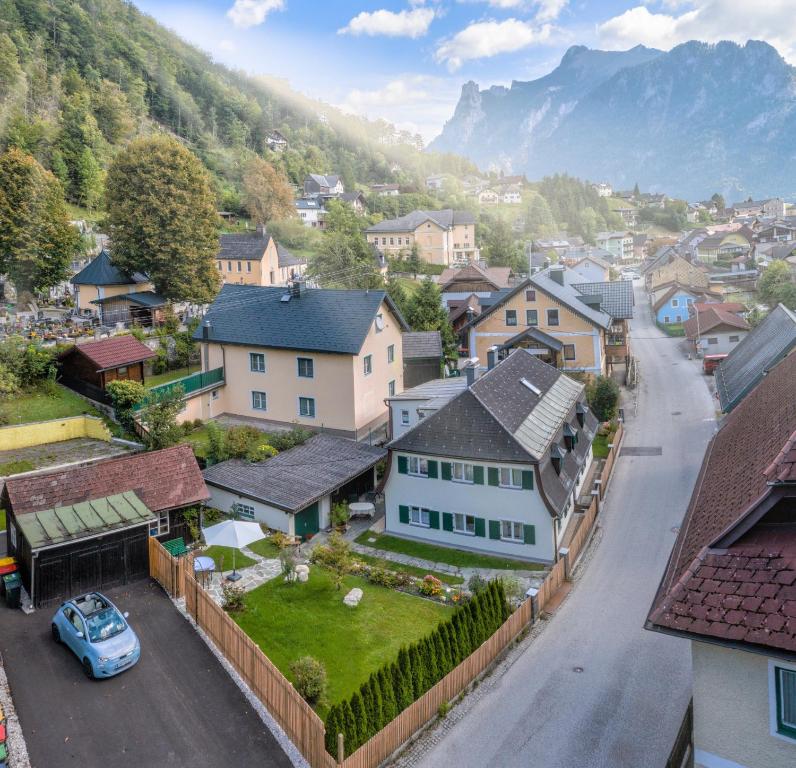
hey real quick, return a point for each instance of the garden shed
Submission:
(295, 490)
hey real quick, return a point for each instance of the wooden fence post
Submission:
(533, 593)
(340, 748)
(563, 553)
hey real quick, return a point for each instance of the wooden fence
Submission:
(610, 460)
(298, 720)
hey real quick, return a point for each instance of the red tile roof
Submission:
(755, 447)
(729, 306)
(711, 318)
(161, 479)
(115, 351)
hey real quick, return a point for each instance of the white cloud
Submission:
(414, 23)
(549, 10)
(546, 10)
(484, 39)
(417, 103)
(709, 20)
(251, 13)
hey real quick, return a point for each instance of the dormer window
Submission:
(580, 413)
(556, 458)
(570, 437)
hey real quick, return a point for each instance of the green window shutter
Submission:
(478, 475)
(529, 534)
(494, 529)
(480, 527)
(403, 465)
(433, 518)
(432, 469)
(403, 514)
(447, 521)
(446, 470)
(493, 475)
(527, 479)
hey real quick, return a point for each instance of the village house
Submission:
(549, 315)
(670, 269)
(724, 246)
(294, 491)
(435, 183)
(89, 368)
(422, 355)
(318, 184)
(311, 212)
(672, 302)
(476, 277)
(322, 359)
(386, 190)
(499, 468)
(276, 141)
(619, 244)
(773, 207)
(757, 353)
(603, 189)
(592, 269)
(730, 584)
(255, 258)
(444, 237)
(87, 527)
(511, 196)
(488, 197)
(713, 330)
(414, 404)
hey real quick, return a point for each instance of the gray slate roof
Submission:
(434, 389)
(422, 344)
(141, 299)
(616, 297)
(100, 271)
(321, 320)
(286, 258)
(245, 246)
(446, 218)
(296, 478)
(756, 354)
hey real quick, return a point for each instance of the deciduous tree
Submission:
(266, 192)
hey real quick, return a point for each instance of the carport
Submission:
(72, 549)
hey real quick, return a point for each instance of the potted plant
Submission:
(340, 516)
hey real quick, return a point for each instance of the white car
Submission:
(630, 274)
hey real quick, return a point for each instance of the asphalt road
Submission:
(623, 710)
(176, 707)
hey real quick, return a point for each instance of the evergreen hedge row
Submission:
(417, 668)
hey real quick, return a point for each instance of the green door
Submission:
(307, 521)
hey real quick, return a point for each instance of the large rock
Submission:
(299, 569)
(353, 597)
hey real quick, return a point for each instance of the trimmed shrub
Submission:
(310, 678)
(359, 732)
(333, 727)
(387, 690)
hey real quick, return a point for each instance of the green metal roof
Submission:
(87, 518)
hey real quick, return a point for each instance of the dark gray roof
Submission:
(100, 271)
(245, 246)
(286, 258)
(756, 354)
(616, 297)
(421, 344)
(446, 218)
(321, 320)
(142, 299)
(296, 478)
(536, 335)
(501, 418)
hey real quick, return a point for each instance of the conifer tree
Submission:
(368, 726)
(448, 644)
(441, 654)
(387, 689)
(360, 728)
(333, 727)
(403, 681)
(432, 663)
(418, 672)
(505, 610)
(348, 727)
(377, 715)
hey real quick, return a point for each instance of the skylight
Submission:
(533, 388)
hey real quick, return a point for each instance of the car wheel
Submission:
(56, 634)
(88, 669)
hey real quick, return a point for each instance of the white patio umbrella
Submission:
(235, 534)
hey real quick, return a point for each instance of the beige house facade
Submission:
(255, 258)
(100, 279)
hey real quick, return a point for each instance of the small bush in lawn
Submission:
(340, 515)
(232, 597)
(198, 423)
(280, 539)
(382, 577)
(477, 583)
(310, 678)
(187, 427)
(430, 586)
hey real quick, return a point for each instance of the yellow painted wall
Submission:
(435, 244)
(572, 329)
(264, 272)
(54, 431)
(85, 294)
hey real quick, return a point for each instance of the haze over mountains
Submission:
(696, 120)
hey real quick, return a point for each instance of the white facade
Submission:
(512, 198)
(591, 271)
(720, 342)
(274, 518)
(735, 724)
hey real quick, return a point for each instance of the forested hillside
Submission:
(80, 78)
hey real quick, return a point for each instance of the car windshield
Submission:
(104, 625)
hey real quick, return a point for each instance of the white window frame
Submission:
(405, 417)
(380, 320)
(263, 399)
(512, 537)
(391, 353)
(160, 525)
(420, 466)
(311, 362)
(511, 483)
(391, 388)
(256, 356)
(463, 470)
(460, 524)
(246, 511)
(419, 517)
(367, 364)
(773, 664)
(309, 400)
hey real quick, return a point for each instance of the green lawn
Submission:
(600, 446)
(265, 548)
(164, 378)
(241, 560)
(38, 405)
(292, 620)
(447, 555)
(445, 578)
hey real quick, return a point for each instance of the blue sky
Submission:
(405, 60)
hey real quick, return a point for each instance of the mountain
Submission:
(80, 78)
(696, 120)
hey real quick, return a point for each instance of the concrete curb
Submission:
(15, 739)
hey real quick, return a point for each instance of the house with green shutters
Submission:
(500, 467)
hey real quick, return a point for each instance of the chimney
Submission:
(261, 230)
(557, 274)
(469, 372)
(206, 330)
(491, 357)
(298, 288)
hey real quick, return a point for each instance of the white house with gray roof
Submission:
(499, 467)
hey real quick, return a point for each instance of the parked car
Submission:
(710, 363)
(630, 274)
(94, 629)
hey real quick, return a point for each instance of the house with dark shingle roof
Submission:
(100, 279)
(255, 258)
(730, 584)
(87, 527)
(422, 354)
(325, 359)
(713, 330)
(760, 351)
(295, 491)
(498, 467)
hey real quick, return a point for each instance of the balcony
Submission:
(191, 385)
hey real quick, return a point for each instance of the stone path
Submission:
(254, 576)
